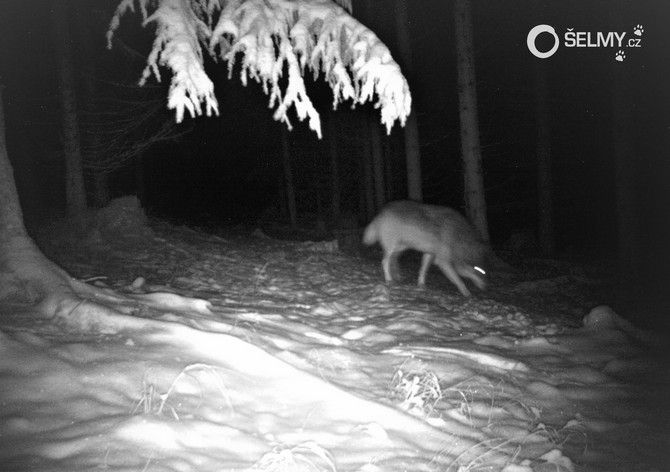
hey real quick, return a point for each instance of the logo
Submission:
(585, 39)
(532, 36)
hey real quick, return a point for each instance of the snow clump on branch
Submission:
(272, 37)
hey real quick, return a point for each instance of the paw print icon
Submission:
(638, 30)
(620, 55)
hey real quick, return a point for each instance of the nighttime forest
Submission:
(334, 235)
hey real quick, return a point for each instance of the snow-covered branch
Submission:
(176, 46)
(270, 38)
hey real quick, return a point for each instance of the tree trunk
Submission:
(475, 203)
(367, 184)
(317, 183)
(29, 278)
(100, 188)
(75, 194)
(413, 158)
(334, 168)
(288, 177)
(281, 192)
(543, 150)
(140, 180)
(388, 169)
(26, 276)
(377, 161)
(628, 237)
(411, 129)
(11, 217)
(98, 178)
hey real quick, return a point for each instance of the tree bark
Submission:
(413, 158)
(100, 190)
(411, 129)
(333, 156)
(543, 151)
(288, 178)
(389, 159)
(367, 183)
(628, 236)
(377, 161)
(25, 274)
(28, 278)
(97, 178)
(317, 185)
(74, 175)
(140, 178)
(11, 216)
(475, 202)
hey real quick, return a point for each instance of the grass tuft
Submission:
(152, 402)
(420, 391)
(307, 456)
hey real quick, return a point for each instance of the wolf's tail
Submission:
(371, 234)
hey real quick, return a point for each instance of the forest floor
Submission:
(306, 360)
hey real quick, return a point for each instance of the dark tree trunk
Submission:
(367, 184)
(90, 40)
(11, 217)
(26, 276)
(333, 156)
(475, 202)
(543, 151)
(377, 160)
(74, 174)
(281, 192)
(317, 184)
(628, 237)
(100, 190)
(413, 158)
(388, 169)
(411, 129)
(288, 177)
(140, 180)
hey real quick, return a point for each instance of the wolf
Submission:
(443, 235)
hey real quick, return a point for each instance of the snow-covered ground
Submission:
(305, 360)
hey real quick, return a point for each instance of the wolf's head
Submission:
(472, 260)
(475, 273)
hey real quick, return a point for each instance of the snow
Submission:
(252, 353)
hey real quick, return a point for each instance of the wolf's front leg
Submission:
(388, 261)
(426, 262)
(449, 270)
(471, 273)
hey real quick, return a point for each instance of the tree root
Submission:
(32, 279)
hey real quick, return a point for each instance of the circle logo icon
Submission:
(534, 33)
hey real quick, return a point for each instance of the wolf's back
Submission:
(395, 223)
(428, 228)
